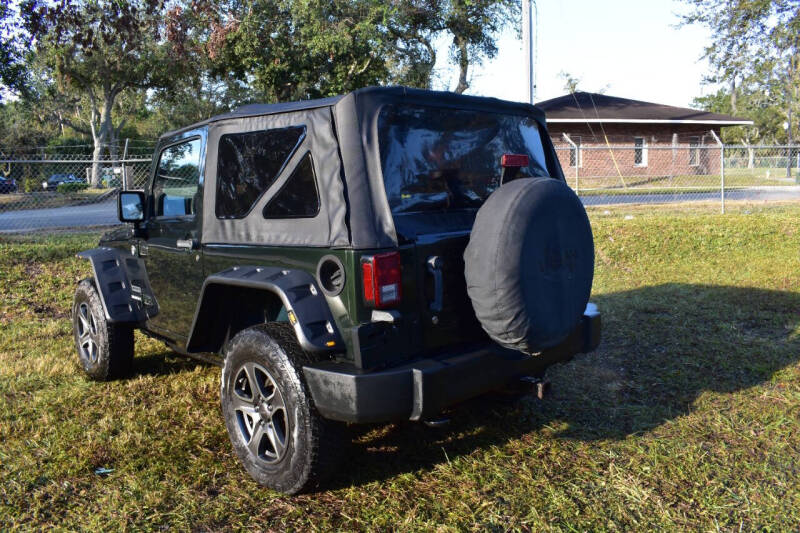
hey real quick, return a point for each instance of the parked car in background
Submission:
(55, 180)
(7, 185)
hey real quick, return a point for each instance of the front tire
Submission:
(273, 425)
(105, 350)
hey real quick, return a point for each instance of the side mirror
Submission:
(130, 206)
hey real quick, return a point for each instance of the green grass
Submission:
(655, 181)
(686, 417)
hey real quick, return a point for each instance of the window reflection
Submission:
(248, 163)
(177, 182)
(437, 158)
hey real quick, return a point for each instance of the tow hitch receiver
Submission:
(438, 422)
(534, 385)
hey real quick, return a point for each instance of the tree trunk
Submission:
(102, 136)
(98, 147)
(113, 146)
(463, 64)
(96, 153)
(432, 62)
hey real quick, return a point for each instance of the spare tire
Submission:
(529, 263)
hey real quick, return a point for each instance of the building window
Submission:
(639, 152)
(575, 152)
(694, 151)
(248, 163)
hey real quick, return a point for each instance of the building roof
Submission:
(592, 107)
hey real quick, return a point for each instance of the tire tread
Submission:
(325, 436)
(117, 348)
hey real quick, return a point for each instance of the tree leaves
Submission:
(755, 48)
(163, 64)
(293, 49)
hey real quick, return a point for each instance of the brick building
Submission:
(607, 135)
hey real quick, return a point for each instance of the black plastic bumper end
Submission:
(425, 387)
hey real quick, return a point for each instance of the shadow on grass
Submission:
(663, 346)
(163, 364)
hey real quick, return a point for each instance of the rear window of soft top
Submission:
(438, 159)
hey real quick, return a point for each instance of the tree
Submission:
(95, 51)
(570, 82)
(753, 104)
(412, 29)
(471, 25)
(474, 25)
(756, 45)
(12, 61)
(21, 127)
(101, 67)
(292, 49)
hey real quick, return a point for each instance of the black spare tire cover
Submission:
(529, 263)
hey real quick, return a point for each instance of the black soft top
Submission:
(254, 110)
(369, 93)
(341, 135)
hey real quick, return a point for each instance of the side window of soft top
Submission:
(248, 164)
(298, 197)
(177, 180)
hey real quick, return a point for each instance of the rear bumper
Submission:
(423, 388)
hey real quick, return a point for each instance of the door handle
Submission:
(434, 264)
(187, 244)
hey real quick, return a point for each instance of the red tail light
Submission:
(514, 160)
(382, 277)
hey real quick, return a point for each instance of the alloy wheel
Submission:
(260, 413)
(87, 333)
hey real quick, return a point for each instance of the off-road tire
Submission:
(311, 444)
(105, 350)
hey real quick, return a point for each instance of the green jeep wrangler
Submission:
(372, 257)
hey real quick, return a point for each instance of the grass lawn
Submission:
(687, 417)
(660, 181)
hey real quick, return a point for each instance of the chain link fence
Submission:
(57, 191)
(64, 190)
(638, 173)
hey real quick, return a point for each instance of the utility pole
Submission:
(528, 46)
(789, 142)
(789, 93)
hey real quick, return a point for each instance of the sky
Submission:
(624, 48)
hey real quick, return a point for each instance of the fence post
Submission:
(125, 180)
(577, 161)
(722, 174)
(721, 170)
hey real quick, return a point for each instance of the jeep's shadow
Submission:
(662, 347)
(163, 363)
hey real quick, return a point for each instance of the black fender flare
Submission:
(121, 279)
(305, 303)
